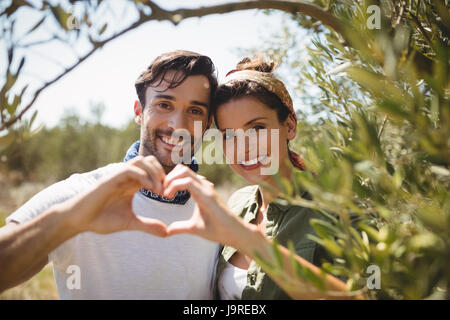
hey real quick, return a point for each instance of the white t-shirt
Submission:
(232, 282)
(127, 264)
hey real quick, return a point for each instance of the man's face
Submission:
(167, 110)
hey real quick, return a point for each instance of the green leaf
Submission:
(330, 245)
(325, 229)
(277, 253)
(6, 140)
(371, 232)
(61, 16)
(103, 29)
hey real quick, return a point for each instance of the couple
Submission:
(152, 229)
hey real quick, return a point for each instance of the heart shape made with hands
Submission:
(146, 172)
(206, 201)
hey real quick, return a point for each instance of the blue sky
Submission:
(108, 76)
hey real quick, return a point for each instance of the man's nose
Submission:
(178, 121)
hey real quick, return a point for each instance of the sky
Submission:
(108, 76)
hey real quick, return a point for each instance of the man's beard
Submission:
(149, 140)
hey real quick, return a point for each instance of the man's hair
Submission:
(186, 62)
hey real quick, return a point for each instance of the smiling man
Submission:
(75, 223)
(185, 99)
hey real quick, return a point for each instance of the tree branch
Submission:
(314, 11)
(176, 16)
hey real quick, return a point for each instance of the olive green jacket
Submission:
(284, 222)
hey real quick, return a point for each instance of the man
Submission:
(75, 223)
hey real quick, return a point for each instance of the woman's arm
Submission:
(214, 221)
(251, 242)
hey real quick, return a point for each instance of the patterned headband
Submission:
(264, 79)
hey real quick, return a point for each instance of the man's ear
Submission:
(137, 112)
(291, 124)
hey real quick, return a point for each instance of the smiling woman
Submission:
(253, 99)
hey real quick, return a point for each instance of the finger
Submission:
(178, 185)
(138, 176)
(154, 172)
(180, 171)
(179, 227)
(148, 225)
(158, 167)
(204, 180)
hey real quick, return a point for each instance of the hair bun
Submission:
(258, 63)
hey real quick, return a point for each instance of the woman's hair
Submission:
(247, 88)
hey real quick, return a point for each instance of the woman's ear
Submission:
(291, 123)
(137, 112)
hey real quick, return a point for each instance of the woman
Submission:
(251, 98)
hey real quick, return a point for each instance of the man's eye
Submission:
(163, 105)
(196, 111)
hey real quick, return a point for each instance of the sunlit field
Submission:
(42, 285)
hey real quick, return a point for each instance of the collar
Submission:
(252, 204)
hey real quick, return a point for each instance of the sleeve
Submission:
(56, 193)
(240, 198)
(59, 193)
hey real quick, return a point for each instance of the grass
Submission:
(42, 286)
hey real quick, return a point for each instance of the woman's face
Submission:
(256, 156)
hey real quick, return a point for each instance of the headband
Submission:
(265, 80)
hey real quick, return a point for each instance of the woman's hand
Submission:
(211, 220)
(107, 207)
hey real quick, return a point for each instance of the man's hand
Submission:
(107, 207)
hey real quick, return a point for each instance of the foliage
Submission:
(381, 148)
(75, 145)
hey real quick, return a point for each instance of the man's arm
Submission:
(105, 207)
(24, 248)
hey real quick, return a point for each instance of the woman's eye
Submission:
(259, 127)
(228, 135)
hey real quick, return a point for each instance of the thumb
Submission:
(148, 225)
(177, 227)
